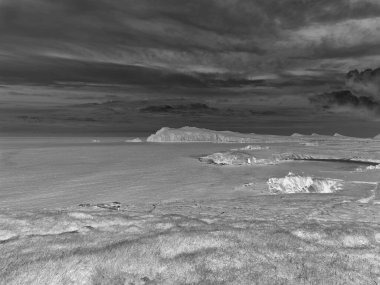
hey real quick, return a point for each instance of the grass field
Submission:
(290, 239)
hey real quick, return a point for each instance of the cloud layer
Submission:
(238, 37)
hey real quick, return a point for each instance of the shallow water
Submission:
(60, 172)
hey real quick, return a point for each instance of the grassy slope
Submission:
(284, 239)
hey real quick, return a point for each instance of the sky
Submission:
(258, 53)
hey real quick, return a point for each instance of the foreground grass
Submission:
(220, 242)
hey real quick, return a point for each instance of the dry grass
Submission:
(93, 246)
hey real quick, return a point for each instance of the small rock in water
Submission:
(110, 206)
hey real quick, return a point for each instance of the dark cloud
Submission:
(197, 108)
(365, 83)
(363, 93)
(346, 99)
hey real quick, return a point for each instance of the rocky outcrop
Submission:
(245, 158)
(303, 184)
(228, 158)
(191, 134)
